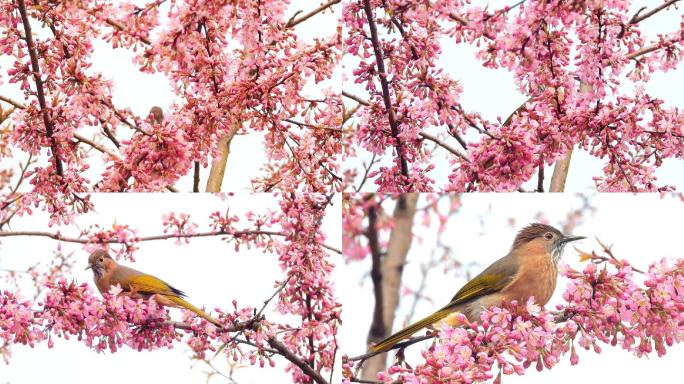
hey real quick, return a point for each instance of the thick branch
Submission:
(386, 97)
(296, 360)
(377, 331)
(218, 165)
(196, 177)
(39, 88)
(392, 268)
(560, 172)
(540, 176)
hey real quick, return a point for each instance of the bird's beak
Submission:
(568, 239)
(88, 267)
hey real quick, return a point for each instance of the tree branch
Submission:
(59, 237)
(637, 18)
(218, 165)
(294, 20)
(235, 328)
(560, 172)
(377, 331)
(392, 268)
(296, 360)
(540, 175)
(444, 145)
(40, 92)
(14, 103)
(196, 177)
(386, 97)
(95, 145)
(355, 98)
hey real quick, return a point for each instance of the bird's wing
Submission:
(143, 283)
(493, 279)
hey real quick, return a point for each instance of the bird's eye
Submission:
(548, 235)
(101, 259)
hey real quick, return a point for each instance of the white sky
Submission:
(493, 92)
(208, 270)
(642, 229)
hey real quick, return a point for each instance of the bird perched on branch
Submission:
(156, 115)
(108, 272)
(528, 270)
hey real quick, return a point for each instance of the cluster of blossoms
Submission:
(69, 310)
(603, 306)
(309, 291)
(583, 67)
(180, 226)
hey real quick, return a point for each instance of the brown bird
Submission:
(156, 114)
(528, 270)
(107, 272)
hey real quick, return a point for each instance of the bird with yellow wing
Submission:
(108, 273)
(528, 270)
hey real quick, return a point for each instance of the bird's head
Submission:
(546, 236)
(98, 261)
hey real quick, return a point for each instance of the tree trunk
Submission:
(560, 172)
(390, 279)
(218, 165)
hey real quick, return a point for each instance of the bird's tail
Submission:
(199, 312)
(388, 343)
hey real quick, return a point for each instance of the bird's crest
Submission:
(532, 232)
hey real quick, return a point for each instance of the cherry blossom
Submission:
(234, 68)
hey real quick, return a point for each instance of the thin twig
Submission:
(355, 98)
(239, 327)
(403, 344)
(638, 18)
(444, 145)
(306, 125)
(59, 237)
(365, 173)
(294, 20)
(95, 145)
(256, 318)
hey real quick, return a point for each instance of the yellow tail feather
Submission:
(199, 312)
(389, 342)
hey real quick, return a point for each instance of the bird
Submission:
(107, 272)
(530, 269)
(156, 114)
